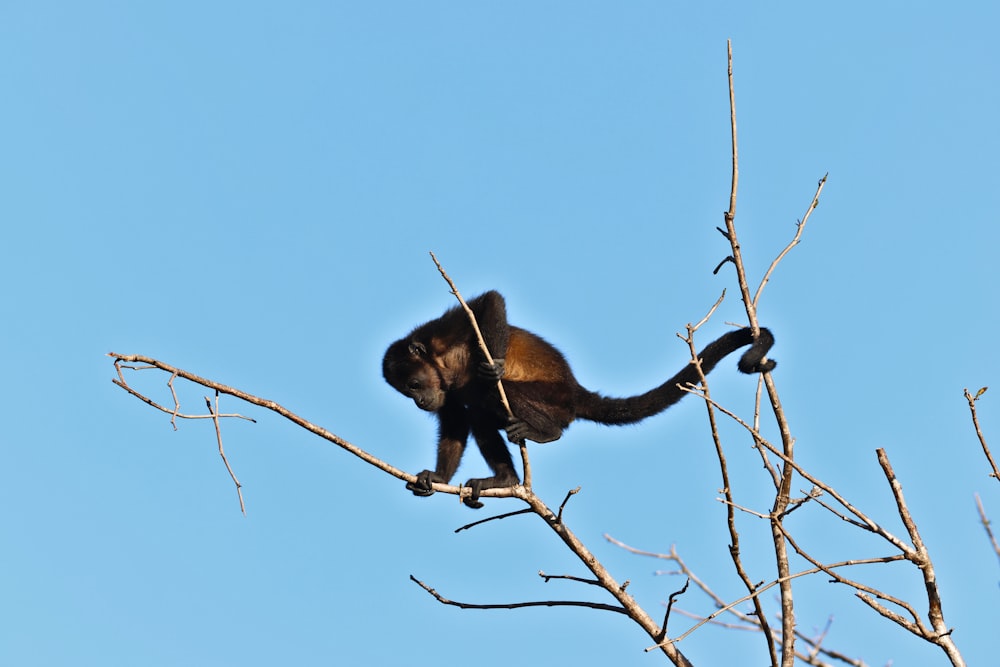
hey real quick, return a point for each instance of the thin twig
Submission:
(799, 226)
(492, 518)
(222, 452)
(670, 605)
(986, 525)
(526, 463)
(519, 605)
(568, 577)
(475, 327)
(562, 505)
(979, 432)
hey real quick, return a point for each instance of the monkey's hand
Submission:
(422, 487)
(518, 430)
(490, 372)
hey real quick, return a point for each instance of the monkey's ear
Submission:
(418, 349)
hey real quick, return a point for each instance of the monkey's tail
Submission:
(594, 407)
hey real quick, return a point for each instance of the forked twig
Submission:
(222, 452)
(175, 413)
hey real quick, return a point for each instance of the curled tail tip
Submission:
(755, 359)
(757, 366)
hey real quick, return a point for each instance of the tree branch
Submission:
(175, 372)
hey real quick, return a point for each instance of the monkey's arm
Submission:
(453, 433)
(490, 310)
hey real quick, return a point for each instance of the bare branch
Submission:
(526, 464)
(922, 559)
(509, 492)
(781, 498)
(175, 413)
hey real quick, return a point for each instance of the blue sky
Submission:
(249, 191)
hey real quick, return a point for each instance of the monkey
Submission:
(440, 367)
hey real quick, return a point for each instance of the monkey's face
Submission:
(406, 368)
(424, 386)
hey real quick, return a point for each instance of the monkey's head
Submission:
(408, 368)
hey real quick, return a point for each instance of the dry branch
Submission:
(175, 372)
(787, 653)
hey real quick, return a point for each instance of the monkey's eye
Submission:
(413, 385)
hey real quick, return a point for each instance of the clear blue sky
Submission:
(249, 191)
